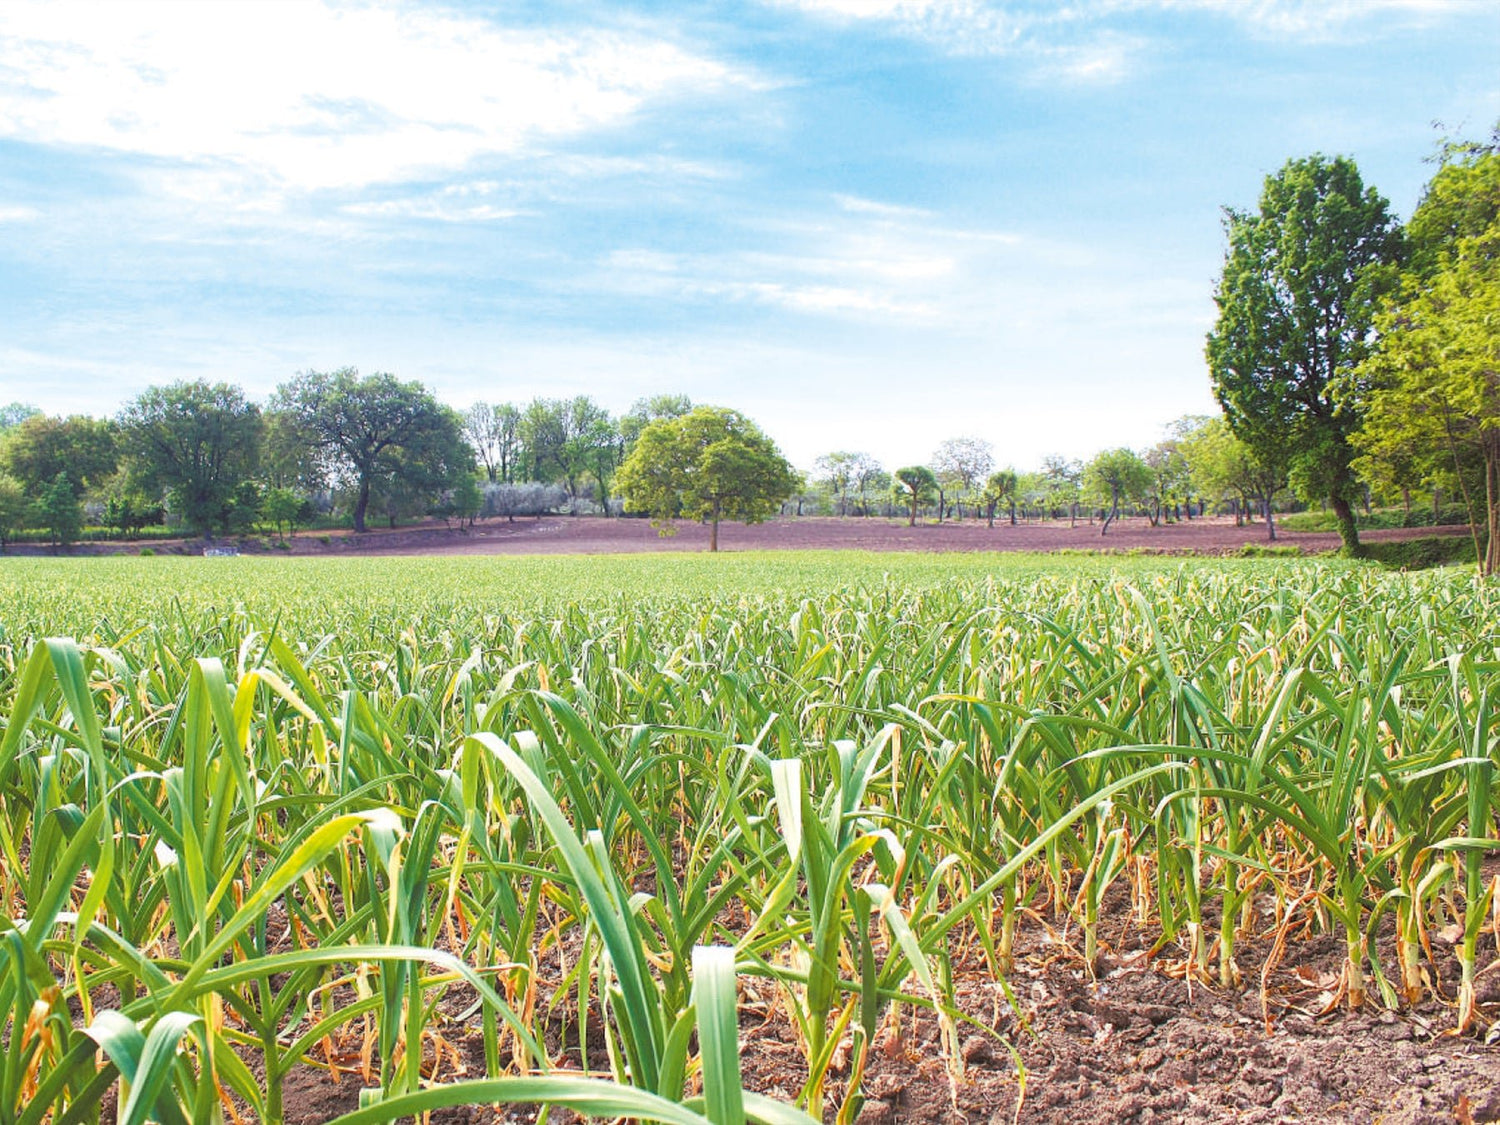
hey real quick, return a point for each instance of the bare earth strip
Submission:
(591, 535)
(565, 535)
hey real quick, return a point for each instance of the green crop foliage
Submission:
(263, 815)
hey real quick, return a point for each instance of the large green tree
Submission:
(376, 431)
(40, 446)
(710, 464)
(1431, 390)
(1303, 278)
(197, 442)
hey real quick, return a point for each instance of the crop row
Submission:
(236, 843)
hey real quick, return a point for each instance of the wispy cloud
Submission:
(1082, 41)
(18, 214)
(310, 95)
(1315, 20)
(860, 259)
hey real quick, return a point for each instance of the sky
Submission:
(869, 224)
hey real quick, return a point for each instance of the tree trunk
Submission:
(713, 529)
(1012, 513)
(1491, 446)
(912, 520)
(1270, 520)
(362, 502)
(1348, 529)
(1114, 510)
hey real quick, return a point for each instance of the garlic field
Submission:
(565, 832)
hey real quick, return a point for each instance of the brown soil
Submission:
(1131, 1042)
(556, 535)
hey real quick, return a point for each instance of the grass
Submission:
(258, 815)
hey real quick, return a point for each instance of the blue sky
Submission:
(869, 224)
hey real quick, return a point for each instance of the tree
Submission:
(59, 511)
(1302, 280)
(127, 509)
(1115, 475)
(918, 486)
(1224, 467)
(709, 464)
(592, 447)
(1000, 488)
(1169, 479)
(285, 510)
(494, 434)
(644, 411)
(289, 454)
(1063, 479)
(376, 431)
(12, 508)
(39, 447)
(1431, 390)
(196, 442)
(870, 477)
(961, 463)
(14, 413)
(835, 471)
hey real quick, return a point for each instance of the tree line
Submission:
(1350, 353)
(211, 461)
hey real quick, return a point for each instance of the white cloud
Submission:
(1314, 19)
(18, 214)
(1076, 42)
(315, 94)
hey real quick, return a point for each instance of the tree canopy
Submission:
(1431, 390)
(1302, 281)
(195, 441)
(376, 431)
(710, 464)
(919, 486)
(1115, 475)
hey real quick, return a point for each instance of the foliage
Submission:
(1000, 488)
(38, 447)
(285, 510)
(1302, 280)
(197, 443)
(13, 507)
(1113, 476)
(709, 464)
(377, 432)
(493, 432)
(1223, 467)
(12, 414)
(59, 511)
(846, 474)
(128, 510)
(918, 486)
(961, 464)
(1430, 392)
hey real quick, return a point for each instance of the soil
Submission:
(556, 535)
(1131, 1041)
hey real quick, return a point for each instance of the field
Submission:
(861, 837)
(564, 535)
